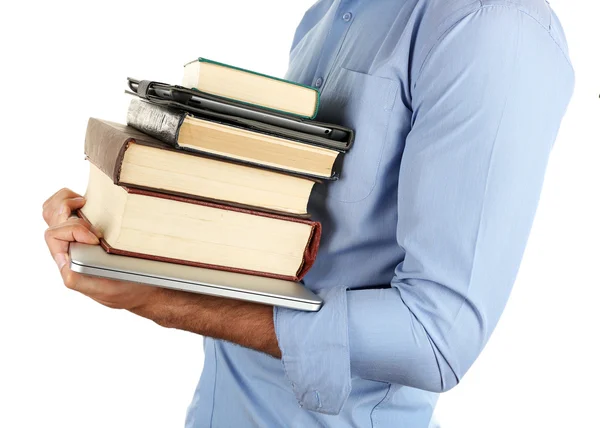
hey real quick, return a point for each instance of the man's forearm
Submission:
(244, 323)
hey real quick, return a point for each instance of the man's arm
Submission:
(244, 323)
(247, 324)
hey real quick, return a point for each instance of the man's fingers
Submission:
(58, 249)
(99, 289)
(55, 205)
(61, 210)
(73, 280)
(65, 209)
(62, 193)
(74, 230)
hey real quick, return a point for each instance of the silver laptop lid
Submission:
(93, 260)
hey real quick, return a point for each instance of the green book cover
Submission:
(315, 90)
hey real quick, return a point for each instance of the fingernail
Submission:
(79, 198)
(61, 260)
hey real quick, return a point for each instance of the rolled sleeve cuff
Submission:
(315, 352)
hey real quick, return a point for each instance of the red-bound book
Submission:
(177, 229)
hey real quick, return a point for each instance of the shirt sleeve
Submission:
(487, 104)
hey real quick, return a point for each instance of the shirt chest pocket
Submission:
(364, 103)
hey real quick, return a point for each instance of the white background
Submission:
(65, 361)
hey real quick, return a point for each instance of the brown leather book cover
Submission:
(106, 143)
(105, 146)
(310, 251)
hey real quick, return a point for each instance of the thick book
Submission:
(134, 159)
(251, 88)
(168, 228)
(220, 140)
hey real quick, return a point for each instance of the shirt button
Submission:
(347, 16)
(319, 82)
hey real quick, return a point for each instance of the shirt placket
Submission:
(343, 17)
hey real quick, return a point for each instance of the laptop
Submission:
(93, 260)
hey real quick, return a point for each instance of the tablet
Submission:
(328, 135)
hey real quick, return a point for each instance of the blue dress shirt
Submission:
(456, 105)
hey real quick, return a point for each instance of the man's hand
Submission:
(247, 324)
(62, 230)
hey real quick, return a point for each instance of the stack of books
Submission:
(209, 189)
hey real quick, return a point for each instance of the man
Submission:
(456, 105)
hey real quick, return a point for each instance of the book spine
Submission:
(105, 147)
(159, 122)
(310, 251)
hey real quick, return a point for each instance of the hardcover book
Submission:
(251, 88)
(169, 228)
(225, 141)
(134, 159)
